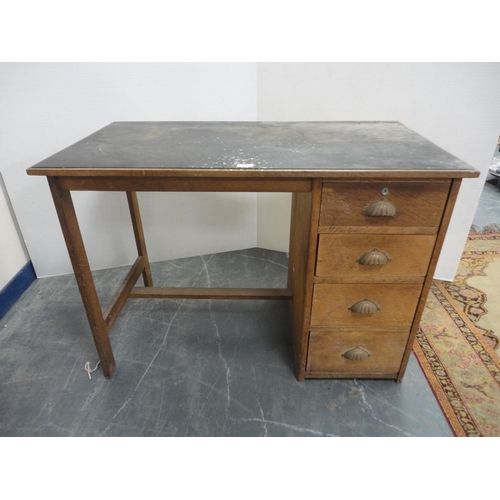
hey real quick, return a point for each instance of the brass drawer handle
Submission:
(382, 208)
(374, 258)
(356, 354)
(364, 306)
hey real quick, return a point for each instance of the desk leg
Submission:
(140, 241)
(78, 255)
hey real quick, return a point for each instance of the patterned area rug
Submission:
(458, 340)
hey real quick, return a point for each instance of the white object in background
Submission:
(13, 256)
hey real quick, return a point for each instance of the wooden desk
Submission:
(370, 207)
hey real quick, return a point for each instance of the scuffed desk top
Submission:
(254, 149)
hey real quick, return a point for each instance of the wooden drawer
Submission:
(409, 255)
(397, 303)
(385, 350)
(418, 204)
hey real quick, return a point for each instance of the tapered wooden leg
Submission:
(78, 255)
(140, 241)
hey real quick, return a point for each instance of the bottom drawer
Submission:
(349, 351)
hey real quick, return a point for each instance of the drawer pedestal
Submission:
(373, 243)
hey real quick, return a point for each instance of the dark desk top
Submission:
(254, 149)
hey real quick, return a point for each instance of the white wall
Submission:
(45, 107)
(455, 105)
(273, 221)
(13, 256)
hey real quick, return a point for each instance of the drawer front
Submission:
(364, 255)
(395, 303)
(356, 351)
(417, 204)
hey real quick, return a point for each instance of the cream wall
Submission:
(455, 105)
(45, 107)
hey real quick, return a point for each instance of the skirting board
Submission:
(16, 287)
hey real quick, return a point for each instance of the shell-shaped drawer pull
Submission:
(382, 208)
(374, 258)
(364, 306)
(356, 354)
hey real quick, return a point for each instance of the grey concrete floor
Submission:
(186, 367)
(488, 210)
(193, 368)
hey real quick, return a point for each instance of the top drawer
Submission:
(417, 204)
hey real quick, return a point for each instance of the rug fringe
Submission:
(490, 228)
